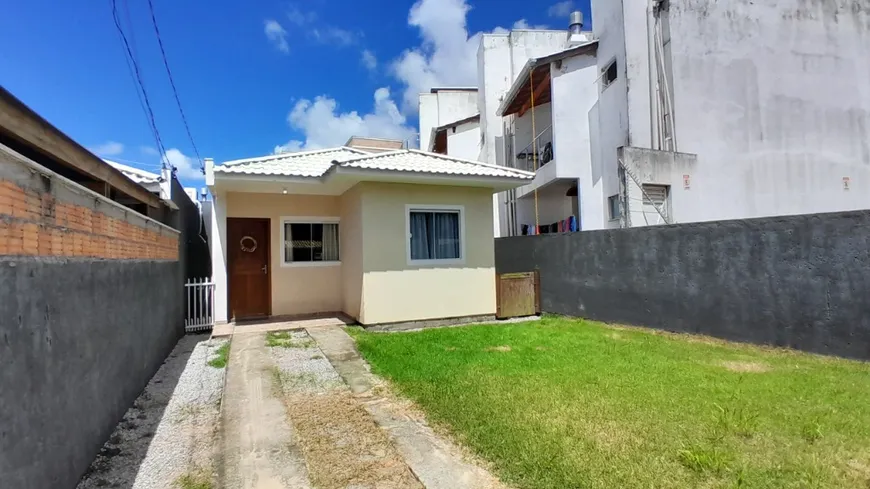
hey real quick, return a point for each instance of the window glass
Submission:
(610, 74)
(435, 235)
(615, 213)
(310, 242)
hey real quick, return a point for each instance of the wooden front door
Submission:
(249, 268)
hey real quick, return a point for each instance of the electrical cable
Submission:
(133, 66)
(172, 83)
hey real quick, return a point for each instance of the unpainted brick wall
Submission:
(34, 222)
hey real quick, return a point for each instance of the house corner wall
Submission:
(218, 242)
(352, 249)
(394, 290)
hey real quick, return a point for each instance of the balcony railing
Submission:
(534, 155)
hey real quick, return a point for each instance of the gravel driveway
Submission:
(169, 434)
(342, 445)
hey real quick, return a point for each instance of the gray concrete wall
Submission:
(79, 340)
(193, 245)
(800, 281)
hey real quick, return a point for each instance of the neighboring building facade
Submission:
(383, 237)
(674, 111)
(443, 106)
(185, 215)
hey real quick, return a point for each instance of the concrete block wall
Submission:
(91, 303)
(801, 282)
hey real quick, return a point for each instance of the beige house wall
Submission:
(351, 251)
(375, 283)
(393, 290)
(295, 290)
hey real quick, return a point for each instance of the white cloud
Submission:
(447, 56)
(109, 148)
(185, 166)
(321, 32)
(324, 127)
(300, 18)
(148, 150)
(334, 35)
(369, 60)
(561, 9)
(277, 35)
(524, 24)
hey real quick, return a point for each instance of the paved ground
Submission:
(303, 413)
(259, 446)
(437, 462)
(279, 324)
(168, 434)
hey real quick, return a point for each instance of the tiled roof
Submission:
(318, 163)
(409, 160)
(141, 177)
(301, 164)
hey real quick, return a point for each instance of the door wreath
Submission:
(248, 244)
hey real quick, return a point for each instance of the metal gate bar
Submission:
(200, 305)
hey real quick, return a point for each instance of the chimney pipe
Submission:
(575, 26)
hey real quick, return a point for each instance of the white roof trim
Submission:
(420, 164)
(261, 159)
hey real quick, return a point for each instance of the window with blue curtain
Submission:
(435, 235)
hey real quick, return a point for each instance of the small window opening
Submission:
(610, 74)
(615, 209)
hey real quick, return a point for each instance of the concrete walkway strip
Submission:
(343, 446)
(259, 446)
(436, 461)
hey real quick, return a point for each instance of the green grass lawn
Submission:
(564, 403)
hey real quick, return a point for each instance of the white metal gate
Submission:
(200, 305)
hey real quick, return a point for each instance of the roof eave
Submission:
(503, 183)
(532, 63)
(226, 177)
(518, 84)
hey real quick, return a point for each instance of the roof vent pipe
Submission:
(576, 24)
(575, 29)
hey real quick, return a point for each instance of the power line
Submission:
(172, 83)
(133, 66)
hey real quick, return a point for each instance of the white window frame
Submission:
(308, 220)
(431, 207)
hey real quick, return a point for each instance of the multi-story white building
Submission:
(678, 111)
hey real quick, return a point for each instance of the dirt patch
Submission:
(450, 348)
(400, 407)
(859, 469)
(541, 348)
(746, 367)
(342, 445)
(498, 348)
(617, 337)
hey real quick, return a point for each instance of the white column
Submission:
(218, 237)
(166, 184)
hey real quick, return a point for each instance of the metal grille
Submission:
(200, 305)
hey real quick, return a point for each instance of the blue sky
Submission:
(253, 77)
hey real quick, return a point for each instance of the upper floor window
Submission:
(615, 208)
(609, 74)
